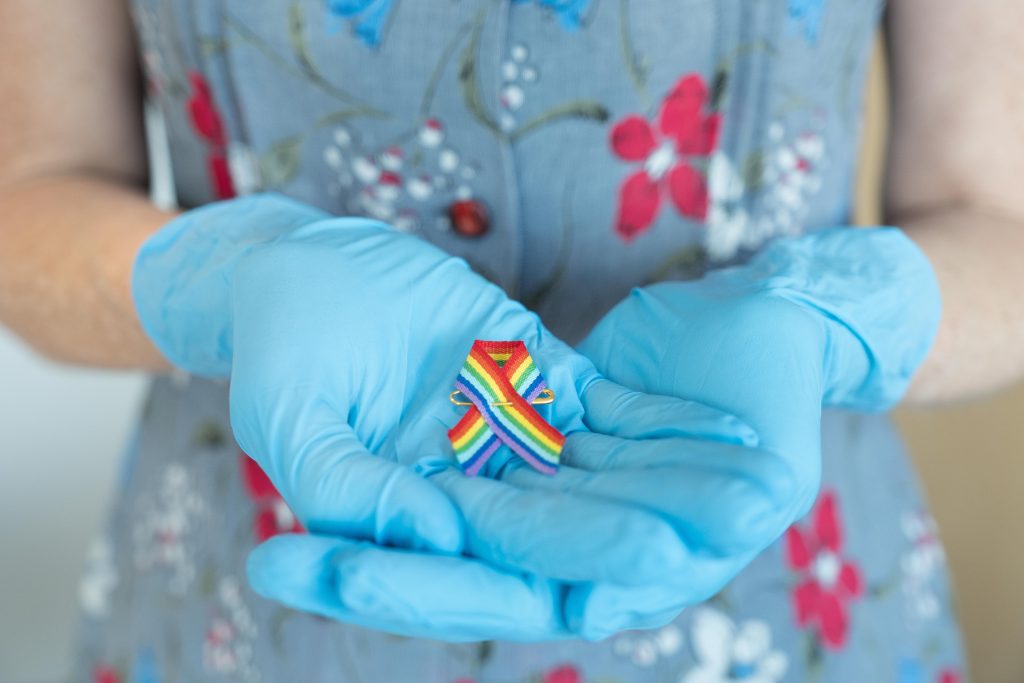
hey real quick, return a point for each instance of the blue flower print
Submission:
(368, 17)
(569, 12)
(910, 671)
(806, 14)
(145, 670)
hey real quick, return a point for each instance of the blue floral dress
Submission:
(570, 150)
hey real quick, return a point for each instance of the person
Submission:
(662, 184)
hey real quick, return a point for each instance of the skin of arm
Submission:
(73, 206)
(953, 182)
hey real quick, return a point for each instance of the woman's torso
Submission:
(557, 117)
(610, 143)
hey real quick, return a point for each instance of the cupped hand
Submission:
(718, 498)
(347, 338)
(808, 322)
(751, 353)
(346, 407)
(640, 452)
(342, 338)
(839, 318)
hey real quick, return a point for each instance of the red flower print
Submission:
(208, 125)
(273, 516)
(829, 581)
(105, 674)
(564, 674)
(684, 129)
(949, 676)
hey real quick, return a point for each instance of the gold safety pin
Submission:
(543, 398)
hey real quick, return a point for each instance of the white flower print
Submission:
(227, 646)
(396, 184)
(163, 525)
(448, 160)
(727, 218)
(244, 169)
(365, 170)
(99, 580)
(431, 134)
(920, 565)
(790, 177)
(516, 74)
(644, 648)
(420, 188)
(726, 653)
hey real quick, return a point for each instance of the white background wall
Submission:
(62, 432)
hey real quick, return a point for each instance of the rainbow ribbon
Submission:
(502, 372)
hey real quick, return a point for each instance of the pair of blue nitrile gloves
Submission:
(342, 338)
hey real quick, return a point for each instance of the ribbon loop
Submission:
(501, 380)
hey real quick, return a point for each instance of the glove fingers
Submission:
(601, 453)
(336, 486)
(562, 536)
(712, 509)
(600, 610)
(617, 411)
(405, 593)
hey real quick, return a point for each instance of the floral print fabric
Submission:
(683, 129)
(596, 145)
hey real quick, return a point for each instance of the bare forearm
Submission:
(73, 210)
(67, 244)
(954, 172)
(980, 345)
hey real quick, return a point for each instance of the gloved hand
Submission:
(841, 318)
(342, 339)
(720, 498)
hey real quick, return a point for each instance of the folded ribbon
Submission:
(501, 380)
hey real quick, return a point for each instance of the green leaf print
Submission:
(636, 64)
(277, 621)
(280, 164)
(468, 78)
(300, 48)
(208, 580)
(578, 109)
(752, 171)
(688, 263)
(211, 46)
(209, 435)
(815, 657)
(718, 88)
(304, 68)
(471, 94)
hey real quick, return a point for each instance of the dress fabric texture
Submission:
(569, 150)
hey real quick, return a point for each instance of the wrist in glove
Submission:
(878, 295)
(182, 276)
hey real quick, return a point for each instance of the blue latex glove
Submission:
(841, 318)
(342, 338)
(720, 497)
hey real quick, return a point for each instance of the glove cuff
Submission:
(181, 278)
(879, 296)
